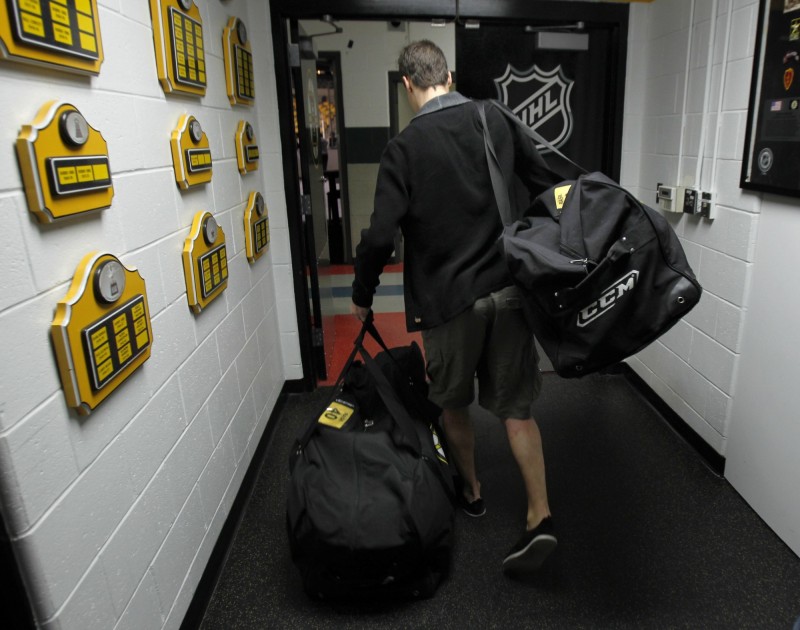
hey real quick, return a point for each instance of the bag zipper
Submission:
(585, 261)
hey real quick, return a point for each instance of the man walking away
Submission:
(434, 184)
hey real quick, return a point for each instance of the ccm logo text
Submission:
(608, 299)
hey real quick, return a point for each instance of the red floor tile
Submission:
(342, 270)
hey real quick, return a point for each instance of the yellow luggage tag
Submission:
(561, 196)
(337, 414)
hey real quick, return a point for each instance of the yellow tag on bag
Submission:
(337, 414)
(561, 195)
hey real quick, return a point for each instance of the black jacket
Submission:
(434, 184)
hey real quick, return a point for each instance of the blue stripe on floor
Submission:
(389, 289)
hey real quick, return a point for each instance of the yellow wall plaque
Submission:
(205, 261)
(64, 164)
(256, 227)
(191, 155)
(101, 330)
(180, 47)
(247, 154)
(238, 57)
(60, 33)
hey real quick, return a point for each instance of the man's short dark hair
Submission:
(424, 64)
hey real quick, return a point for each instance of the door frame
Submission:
(395, 79)
(614, 16)
(335, 58)
(284, 66)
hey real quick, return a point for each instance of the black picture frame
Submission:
(771, 160)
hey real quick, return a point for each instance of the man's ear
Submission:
(408, 84)
(449, 79)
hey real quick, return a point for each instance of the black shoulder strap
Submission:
(498, 182)
(533, 134)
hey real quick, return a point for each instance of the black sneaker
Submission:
(471, 508)
(532, 549)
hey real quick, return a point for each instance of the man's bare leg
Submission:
(526, 445)
(539, 540)
(461, 441)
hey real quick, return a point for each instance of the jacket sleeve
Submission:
(392, 199)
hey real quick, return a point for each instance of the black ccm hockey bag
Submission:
(602, 274)
(370, 497)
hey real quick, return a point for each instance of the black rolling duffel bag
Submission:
(602, 274)
(370, 497)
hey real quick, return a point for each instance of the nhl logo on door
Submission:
(541, 99)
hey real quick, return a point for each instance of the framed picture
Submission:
(771, 160)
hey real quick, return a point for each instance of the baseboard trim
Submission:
(216, 562)
(714, 461)
(297, 386)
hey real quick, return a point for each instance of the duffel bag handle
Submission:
(385, 391)
(395, 407)
(368, 326)
(385, 388)
(303, 440)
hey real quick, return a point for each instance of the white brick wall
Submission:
(693, 367)
(113, 516)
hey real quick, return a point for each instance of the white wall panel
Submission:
(113, 515)
(694, 366)
(762, 459)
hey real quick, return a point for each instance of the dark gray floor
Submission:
(648, 536)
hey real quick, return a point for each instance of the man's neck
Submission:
(423, 96)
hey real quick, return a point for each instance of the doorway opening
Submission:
(367, 45)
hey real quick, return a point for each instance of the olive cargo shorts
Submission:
(493, 341)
